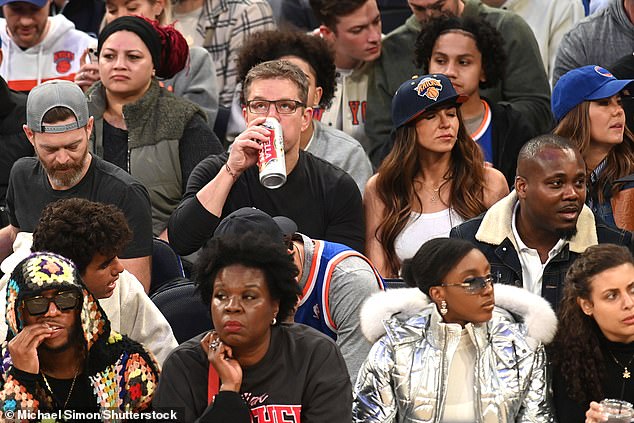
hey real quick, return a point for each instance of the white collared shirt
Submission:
(532, 266)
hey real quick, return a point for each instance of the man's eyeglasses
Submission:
(283, 107)
(475, 285)
(64, 300)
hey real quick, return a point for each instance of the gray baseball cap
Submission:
(51, 94)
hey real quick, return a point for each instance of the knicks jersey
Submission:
(314, 306)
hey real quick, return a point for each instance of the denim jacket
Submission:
(491, 232)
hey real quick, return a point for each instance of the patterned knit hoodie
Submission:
(122, 373)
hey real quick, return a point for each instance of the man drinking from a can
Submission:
(322, 199)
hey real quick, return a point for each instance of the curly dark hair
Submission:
(255, 250)
(328, 11)
(575, 351)
(488, 40)
(78, 229)
(272, 45)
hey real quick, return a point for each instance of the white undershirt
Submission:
(460, 397)
(532, 266)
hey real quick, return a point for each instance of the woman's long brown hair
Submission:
(620, 160)
(395, 184)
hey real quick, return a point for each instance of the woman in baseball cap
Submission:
(433, 179)
(587, 106)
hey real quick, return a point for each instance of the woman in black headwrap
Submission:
(154, 135)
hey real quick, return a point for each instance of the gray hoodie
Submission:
(600, 39)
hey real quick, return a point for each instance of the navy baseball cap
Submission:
(38, 3)
(585, 83)
(247, 219)
(420, 94)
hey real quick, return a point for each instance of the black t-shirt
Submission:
(13, 141)
(30, 191)
(302, 373)
(323, 200)
(115, 150)
(81, 399)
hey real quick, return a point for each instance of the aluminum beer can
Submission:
(271, 159)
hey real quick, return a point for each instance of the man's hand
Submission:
(23, 348)
(246, 146)
(244, 154)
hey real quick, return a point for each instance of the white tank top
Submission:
(422, 227)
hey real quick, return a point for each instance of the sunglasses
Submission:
(476, 284)
(65, 300)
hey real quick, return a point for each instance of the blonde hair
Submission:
(164, 18)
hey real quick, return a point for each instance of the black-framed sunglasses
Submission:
(475, 285)
(283, 107)
(64, 300)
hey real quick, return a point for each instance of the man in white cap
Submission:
(58, 126)
(38, 47)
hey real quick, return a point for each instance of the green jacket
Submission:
(155, 123)
(525, 85)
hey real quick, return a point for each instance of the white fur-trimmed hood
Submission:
(536, 312)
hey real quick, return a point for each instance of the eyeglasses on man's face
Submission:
(283, 107)
(64, 300)
(475, 285)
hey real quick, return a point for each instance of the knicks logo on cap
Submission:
(603, 72)
(62, 60)
(430, 88)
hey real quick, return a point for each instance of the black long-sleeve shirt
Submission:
(613, 384)
(322, 199)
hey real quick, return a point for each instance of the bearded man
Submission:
(58, 126)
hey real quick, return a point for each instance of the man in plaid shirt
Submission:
(221, 27)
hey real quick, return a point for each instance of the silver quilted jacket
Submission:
(404, 377)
